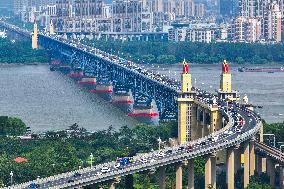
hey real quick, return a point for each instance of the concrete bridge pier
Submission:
(231, 167)
(251, 157)
(260, 164)
(237, 155)
(210, 171)
(190, 174)
(162, 177)
(179, 176)
(281, 177)
(246, 163)
(271, 171)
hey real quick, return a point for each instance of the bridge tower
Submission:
(51, 28)
(186, 114)
(225, 91)
(35, 36)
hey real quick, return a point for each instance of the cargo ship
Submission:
(268, 70)
(145, 112)
(124, 100)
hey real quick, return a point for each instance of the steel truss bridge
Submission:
(147, 84)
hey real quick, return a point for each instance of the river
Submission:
(47, 100)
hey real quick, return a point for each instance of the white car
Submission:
(105, 169)
(238, 130)
(98, 173)
(117, 165)
(143, 160)
(160, 154)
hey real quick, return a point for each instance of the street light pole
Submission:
(11, 175)
(91, 157)
(159, 141)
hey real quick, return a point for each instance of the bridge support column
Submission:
(210, 171)
(246, 164)
(260, 164)
(190, 174)
(237, 156)
(281, 178)
(231, 168)
(179, 176)
(162, 177)
(251, 158)
(271, 171)
(112, 185)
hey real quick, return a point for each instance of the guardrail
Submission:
(271, 152)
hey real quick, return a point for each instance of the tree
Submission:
(12, 126)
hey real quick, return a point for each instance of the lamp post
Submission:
(11, 177)
(91, 157)
(274, 140)
(159, 141)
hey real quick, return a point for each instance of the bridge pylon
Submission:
(51, 28)
(35, 36)
(186, 110)
(225, 91)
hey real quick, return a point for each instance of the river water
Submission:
(47, 100)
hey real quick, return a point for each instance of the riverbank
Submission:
(21, 52)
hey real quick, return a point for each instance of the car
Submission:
(33, 185)
(169, 151)
(181, 148)
(105, 169)
(238, 130)
(160, 154)
(98, 173)
(77, 174)
(152, 160)
(143, 160)
(189, 148)
(117, 165)
(203, 143)
(70, 180)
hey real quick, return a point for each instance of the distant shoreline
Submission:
(23, 64)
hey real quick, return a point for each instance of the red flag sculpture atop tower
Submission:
(185, 67)
(225, 67)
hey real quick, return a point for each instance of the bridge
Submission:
(216, 127)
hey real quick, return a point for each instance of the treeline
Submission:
(173, 52)
(20, 52)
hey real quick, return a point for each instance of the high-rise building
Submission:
(77, 15)
(127, 15)
(199, 9)
(274, 22)
(246, 29)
